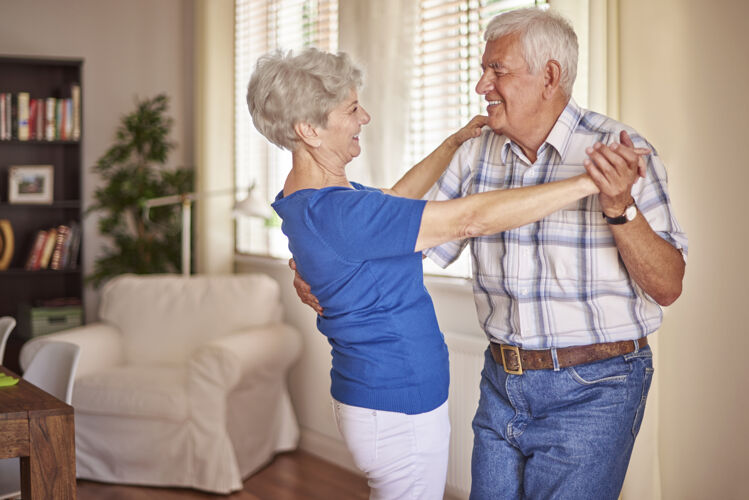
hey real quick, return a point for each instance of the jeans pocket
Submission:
(647, 380)
(604, 382)
(358, 427)
(614, 370)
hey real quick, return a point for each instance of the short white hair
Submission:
(544, 35)
(288, 88)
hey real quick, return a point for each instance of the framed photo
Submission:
(31, 184)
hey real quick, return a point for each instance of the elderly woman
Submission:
(359, 248)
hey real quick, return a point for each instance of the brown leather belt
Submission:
(514, 360)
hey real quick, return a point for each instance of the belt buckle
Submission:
(512, 349)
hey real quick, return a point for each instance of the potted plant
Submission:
(134, 170)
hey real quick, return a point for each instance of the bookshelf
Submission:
(20, 288)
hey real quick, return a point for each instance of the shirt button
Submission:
(524, 291)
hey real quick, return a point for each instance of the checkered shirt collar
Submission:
(560, 135)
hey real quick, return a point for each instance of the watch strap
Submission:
(623, 218)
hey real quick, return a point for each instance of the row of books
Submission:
(46, 118)
(55, 248)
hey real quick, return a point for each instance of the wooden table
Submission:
(39, 429)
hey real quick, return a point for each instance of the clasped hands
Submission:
(614, 169)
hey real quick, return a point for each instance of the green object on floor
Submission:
(7, 380)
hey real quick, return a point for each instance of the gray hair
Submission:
(544, 35)
(286, 89)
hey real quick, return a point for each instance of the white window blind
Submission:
(448, 66)
(262, 26)
(450, 42)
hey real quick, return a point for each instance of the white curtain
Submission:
(597, 25)
(379, 36)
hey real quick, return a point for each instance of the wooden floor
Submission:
(291, 476)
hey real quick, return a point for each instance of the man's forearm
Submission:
(653, 263)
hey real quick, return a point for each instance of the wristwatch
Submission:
(629, 214)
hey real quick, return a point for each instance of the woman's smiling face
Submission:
(341, 135)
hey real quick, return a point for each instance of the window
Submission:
(262, 26)
(447, 67)
(449, 43)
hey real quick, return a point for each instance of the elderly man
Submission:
(567, 302)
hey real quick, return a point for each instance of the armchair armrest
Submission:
(255, 354)
(100, 343)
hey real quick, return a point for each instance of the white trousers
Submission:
(403, 456)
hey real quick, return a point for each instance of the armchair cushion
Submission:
(163, 318)
(134, 391)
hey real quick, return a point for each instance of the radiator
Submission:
(466, 362)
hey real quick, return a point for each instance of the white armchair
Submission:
(182, 382)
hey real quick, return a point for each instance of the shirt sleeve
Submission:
(365, 224)
(454, 183)
(653, 201)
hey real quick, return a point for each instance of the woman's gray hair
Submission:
(286, 89)
(544, 35)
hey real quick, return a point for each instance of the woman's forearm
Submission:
(417, 181)
(496, 211)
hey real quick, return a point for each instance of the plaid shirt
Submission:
(558, 282)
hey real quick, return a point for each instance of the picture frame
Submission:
(31, 184)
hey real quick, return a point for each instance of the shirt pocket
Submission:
(579, 245)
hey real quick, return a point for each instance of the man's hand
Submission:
(303, 290)
(614, 169)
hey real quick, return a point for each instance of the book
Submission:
(67, 122)
(35, 254)
(70, 257)
(49, 118)
(33, 103)
(8, 115)
(40, 123)
(58, 119)
(13, 116)
(2, 116)
(49, 246)
(75, 92)
(23, 116)
(63, 233)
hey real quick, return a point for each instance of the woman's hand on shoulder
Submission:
(470, 130)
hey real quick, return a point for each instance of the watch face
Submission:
(631, 212)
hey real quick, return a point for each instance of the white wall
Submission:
(130, 48)
(684, 86)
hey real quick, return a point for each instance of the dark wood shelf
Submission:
(54, 204)
(20, 289)
(18, 271)
(39, 142)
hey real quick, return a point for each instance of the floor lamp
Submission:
(250, 206)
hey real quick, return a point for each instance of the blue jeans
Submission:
(558, 434)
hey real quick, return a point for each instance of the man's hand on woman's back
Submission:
(304, 291)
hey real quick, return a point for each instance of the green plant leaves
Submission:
(134, 170)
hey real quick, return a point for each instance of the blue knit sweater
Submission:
(355, 249)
